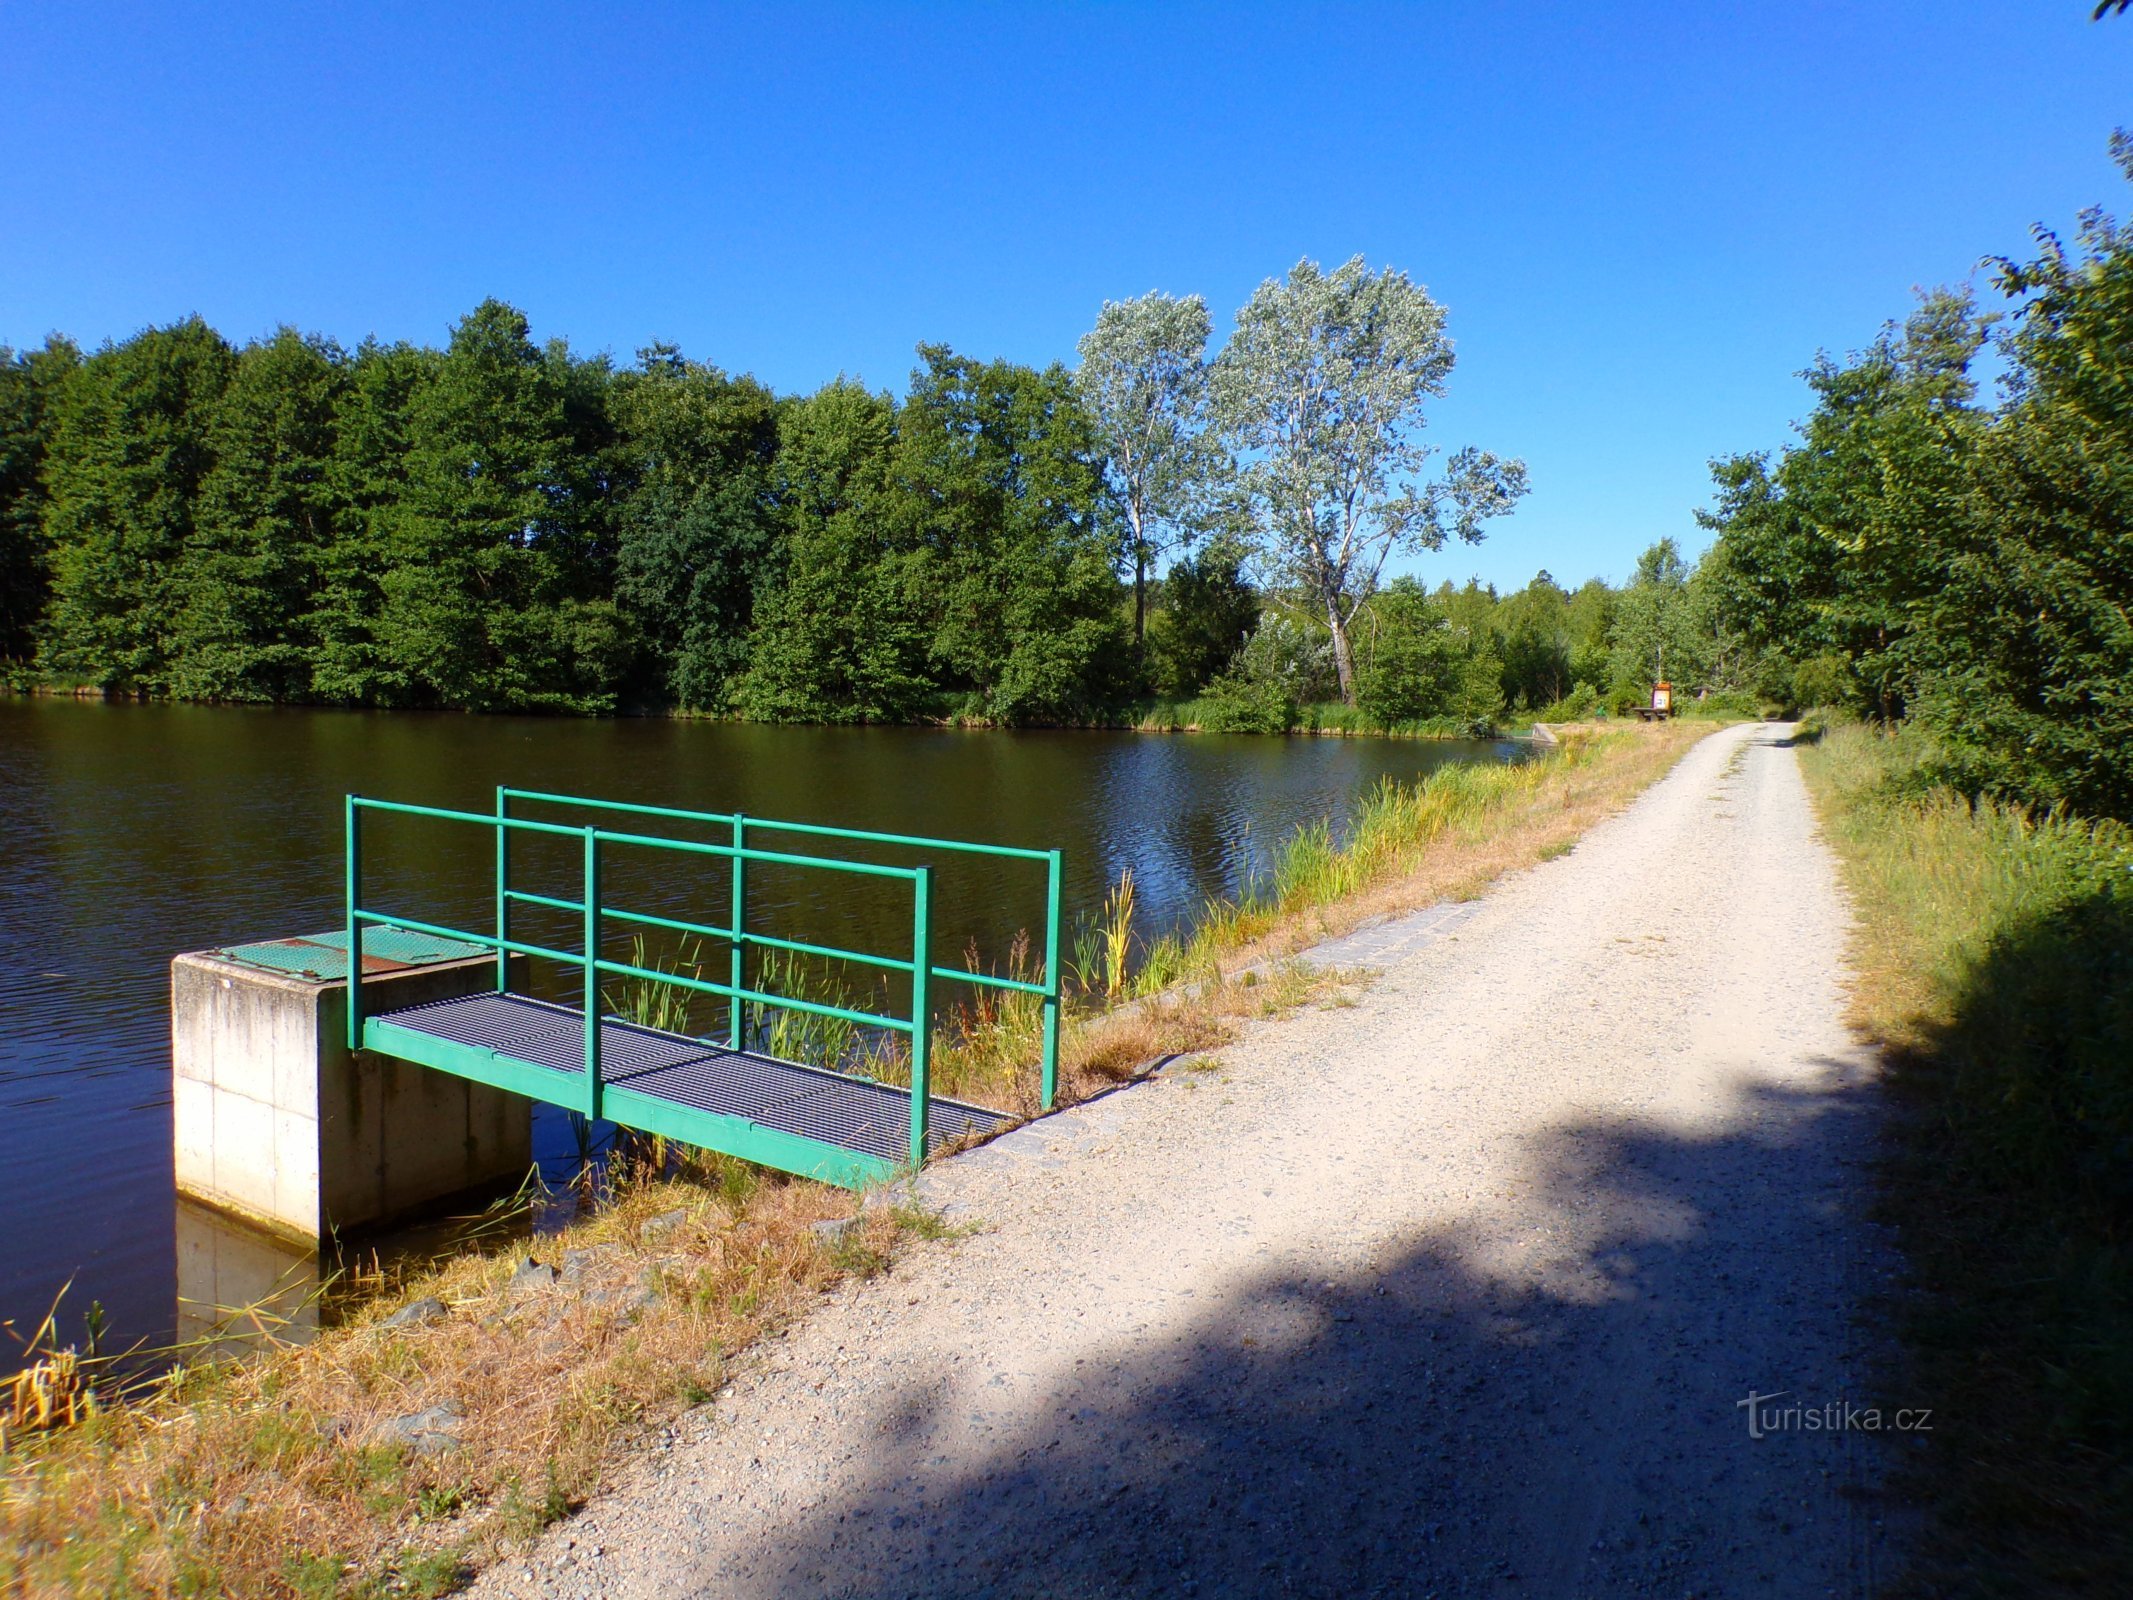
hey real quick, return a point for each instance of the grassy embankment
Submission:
(1995, 954)
(281, 1476)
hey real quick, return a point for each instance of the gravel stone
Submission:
(415, 1312)
(428, 1432)
(531, 1275)
(663, 1225)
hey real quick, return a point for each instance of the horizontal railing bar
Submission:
(764, 824)
(702, 929)
(986, 980)
(528, 897)
(488, 941)
(827, 951)
(523, 824)
(781, 1002)
(867, 869)
(915, 841)
(674, 925)
(625, 970)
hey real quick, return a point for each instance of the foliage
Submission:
(696, 528)
(1322, 389)
(504, 525)
(1919, 554)
(1240, 703)
(1143, 382)
(125, 461)
(27, 382)
(1418, 664)
(1208, 610)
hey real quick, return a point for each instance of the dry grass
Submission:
(280, 1477)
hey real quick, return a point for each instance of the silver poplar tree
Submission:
(1143, 378)
(1321, 389)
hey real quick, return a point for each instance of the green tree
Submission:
(1836, 548)
(1143, 381)
(2026, 661)
(265, 522)
(998, 466)
(127, 454)
(28, 380)
(496, 589)
(1655, 635)
(1533, 631)
(1419, 663)
(696, 530)
(842, 634)
(1322, 390)
(369, 479)
(1207, 609)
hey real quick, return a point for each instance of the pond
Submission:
(129, 833)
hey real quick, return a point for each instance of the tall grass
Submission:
(1329, 717)
(1996, 956)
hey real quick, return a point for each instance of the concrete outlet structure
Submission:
(277, 1122)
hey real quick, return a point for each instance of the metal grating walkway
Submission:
(851, 1113)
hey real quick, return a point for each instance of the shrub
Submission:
(1235, 703)
(1825, 680)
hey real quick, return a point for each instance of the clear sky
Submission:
(1644, 219)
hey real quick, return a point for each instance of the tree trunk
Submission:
(1343, 651)
(1140, 593)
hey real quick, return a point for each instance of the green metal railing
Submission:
(594, 912)
(744, 826)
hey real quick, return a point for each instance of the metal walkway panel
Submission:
(546, 1035)
(856, 1114)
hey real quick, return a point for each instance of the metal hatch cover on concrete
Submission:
(323, 957)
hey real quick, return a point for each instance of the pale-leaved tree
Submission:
(1143, 379)
(1321, 391)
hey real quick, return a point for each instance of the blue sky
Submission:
(1644, 219)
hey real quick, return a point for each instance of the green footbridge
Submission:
(714, 1092)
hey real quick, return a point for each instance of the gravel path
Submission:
(1455, 1290)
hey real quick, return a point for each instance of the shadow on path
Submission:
(1544, 1401)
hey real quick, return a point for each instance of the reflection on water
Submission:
(238, 1285)
(129, 833)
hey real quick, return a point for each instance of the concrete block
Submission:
(247, 1163)
(277, 1122)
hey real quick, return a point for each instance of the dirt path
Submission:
(1452, 1291)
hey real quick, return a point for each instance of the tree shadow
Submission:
(1542, 1400)
(2012, 1193)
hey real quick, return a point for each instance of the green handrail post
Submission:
(921, 1013)
(1051, 979)
(592, 974)
(736, 1016)
(351, 824)
(503, 890)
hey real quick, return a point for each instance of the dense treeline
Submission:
(501, 525)
(1919, 554)
(506, 525)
